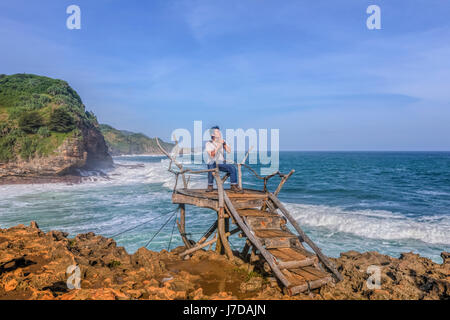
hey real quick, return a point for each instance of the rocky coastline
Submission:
(34, 265)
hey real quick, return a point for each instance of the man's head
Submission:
(215, 133)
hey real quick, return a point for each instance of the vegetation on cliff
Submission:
(125, 142)
(37, 114)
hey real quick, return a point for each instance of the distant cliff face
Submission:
(122, 142)
(45, 129)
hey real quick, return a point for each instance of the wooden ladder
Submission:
(284, 254)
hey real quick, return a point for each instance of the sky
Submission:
(311, 69)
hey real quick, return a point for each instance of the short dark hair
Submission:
(211, 131)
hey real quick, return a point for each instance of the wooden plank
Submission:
(311, 285)
(203, 203)
(247, 203)
(273, 233)
(297, 263)
(293, 279)
(271, 243)
(309, 273)
(287, 254)
(267, 222)
(255, 213)
(247, 194)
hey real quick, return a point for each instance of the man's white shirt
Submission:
(211, 146)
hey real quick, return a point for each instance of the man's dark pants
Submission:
(225, 167)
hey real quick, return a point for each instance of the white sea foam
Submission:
(374, 224)
(141, 155)
(433, 193)
(125, 173)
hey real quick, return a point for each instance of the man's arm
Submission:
(212, 153)
(227, 148)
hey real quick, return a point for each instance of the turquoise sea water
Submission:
(391, 202)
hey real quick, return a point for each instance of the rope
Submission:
(165, 223)
(118, 234)
(213, 226)
(173, 228)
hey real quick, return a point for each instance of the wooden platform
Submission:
(200, 198)
(260, 217)
(300, 268)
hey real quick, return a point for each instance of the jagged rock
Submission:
(445, 257)
(253, 284)
(33, 265)
(34, 225)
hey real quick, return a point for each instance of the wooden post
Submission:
(283, 181)
(305, 238)
(221, 218)
(182, 226)
(219, 247)
(174, 160)
(239, 167)
(244, 253)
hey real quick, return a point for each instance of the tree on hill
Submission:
(30, 121)
(61, 121)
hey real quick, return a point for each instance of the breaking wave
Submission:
(374, 224)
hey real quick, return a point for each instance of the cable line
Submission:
(165, 223)
(141, 224)
(173, 228)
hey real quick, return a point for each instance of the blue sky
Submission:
(310, 68)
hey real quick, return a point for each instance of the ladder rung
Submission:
(311, 285)
(297, 264)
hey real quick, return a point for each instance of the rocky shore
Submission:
(33, 265)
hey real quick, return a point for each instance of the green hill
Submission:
(44, 118)
(122, 142)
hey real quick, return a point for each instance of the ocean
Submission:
(390, 202)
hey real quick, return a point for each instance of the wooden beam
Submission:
(244, 253)
(310, 285)
(239, 168)
(220, 217)
(182, 227)
(283, 181)
(199, 202)
(179, 165)
(209, 233)
(305, 238)
(207, 243)
(296, 264)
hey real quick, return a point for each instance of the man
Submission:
(214, 151)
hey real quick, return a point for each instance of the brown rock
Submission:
(10, 285)
(445, 257)
(33, 266)
(253, 284)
